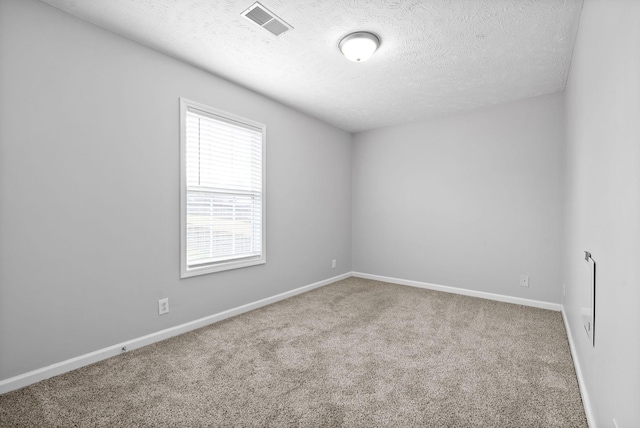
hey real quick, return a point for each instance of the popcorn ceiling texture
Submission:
(436, 56)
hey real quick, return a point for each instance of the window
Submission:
(222, 190)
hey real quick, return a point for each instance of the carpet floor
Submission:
(356, 353)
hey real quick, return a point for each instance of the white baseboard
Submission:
(576, 363)
(463, 291)
(43, 373)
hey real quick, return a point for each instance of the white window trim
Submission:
(186, 272)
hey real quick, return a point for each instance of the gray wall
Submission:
(603, 204)
(89, 159)
(470, 200)
(89, 233)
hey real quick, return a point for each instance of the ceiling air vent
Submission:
(266, 19)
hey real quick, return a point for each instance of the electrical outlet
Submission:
(333, 263)
(163, 306)
(524, 280)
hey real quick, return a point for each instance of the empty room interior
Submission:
(225, 213)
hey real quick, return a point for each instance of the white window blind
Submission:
(223, 191)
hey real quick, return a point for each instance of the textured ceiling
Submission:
(436, 56)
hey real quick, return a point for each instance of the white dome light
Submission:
(359, 47)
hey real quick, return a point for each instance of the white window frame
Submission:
(231, 263)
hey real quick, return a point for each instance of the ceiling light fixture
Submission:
(359, 47)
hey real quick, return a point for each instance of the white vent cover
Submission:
(268, 20)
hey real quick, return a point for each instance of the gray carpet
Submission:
(357, 353)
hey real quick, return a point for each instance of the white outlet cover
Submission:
(163, 306)
(524, 280)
